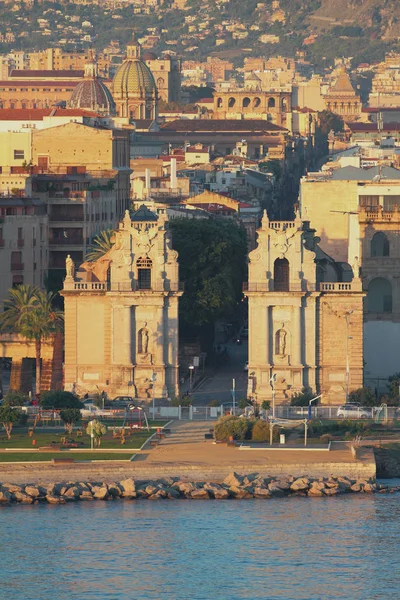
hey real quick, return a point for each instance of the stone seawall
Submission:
(115, 470)
(234, 486)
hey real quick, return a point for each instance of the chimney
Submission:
(173, 174)
(148, 181)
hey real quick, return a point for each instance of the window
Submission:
(19, 154)
(379, 297)
(246, 102)
(380, 244)
(144, 273)
(231, 102)
(369, 202)
(281, 275)
(271, 103)
(389, 202)
(17, 280)
(219, 103)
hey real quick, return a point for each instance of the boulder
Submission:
(32, 491)
(5, 496)
(100, 492)
(166, 481)
(185, 487)
(275, 489)
(150, 490)
(200, 494)
(233, 479)
(240, 493)
(128, 488)
(344, 483)
(250, 478)
(162, 493)
(114, 490)
(216, 491)
(356, 487)
(283, 484)
(300, 485)
(369, 488)
(51, 499)
(86, 495)
(262, 492)
(12, 487)
(72, 493)
(172, 493)
(316, 489)
(24, 498)
(330, 491)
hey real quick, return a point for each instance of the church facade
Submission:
(121, 314)
(305, 323)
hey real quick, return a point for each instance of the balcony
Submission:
(21, 243)
(66, 241)
(2, 243)
(17, 266)
(65, 217)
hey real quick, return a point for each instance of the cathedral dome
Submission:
(92, 93)
(134, 77)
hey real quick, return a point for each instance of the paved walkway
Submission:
(187, 432)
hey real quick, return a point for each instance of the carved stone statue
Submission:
(280, 343)
(356, 267)
(143, 341)
(69, 266)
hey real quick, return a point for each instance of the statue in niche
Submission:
(356, 268)
(143, 340)
(69, 266)
(280, 342)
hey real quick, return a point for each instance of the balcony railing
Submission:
(21, 243)
(17, 266)
(65, 217)
(66, 241)
(125, 286)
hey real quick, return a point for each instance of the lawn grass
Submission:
(20, 439)
(6, 457)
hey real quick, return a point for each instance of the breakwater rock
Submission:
(234, 486)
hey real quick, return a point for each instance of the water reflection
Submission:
(279, 549)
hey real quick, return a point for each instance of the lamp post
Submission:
(233, 397)
(309, 405)
(347, 317)
(272, 382)
(153, 379)
(191, 369)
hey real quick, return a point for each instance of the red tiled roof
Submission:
(212, 207)
(38, 83)
(38, 114)
(53, 73)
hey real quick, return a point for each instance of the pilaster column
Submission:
(297, 340)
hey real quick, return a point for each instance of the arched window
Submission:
(271, 102)
(160, 82)
(144, 273)
(246, 102)
(284, 104)
(379, 244)
(219, 103)
(231, 102)
(379, 296)
(281, 275)
(256, 102)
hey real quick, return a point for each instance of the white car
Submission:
(354, 411)
(91, 411)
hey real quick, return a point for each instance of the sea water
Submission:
(286, 548)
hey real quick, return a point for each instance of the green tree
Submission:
(102, 243)
(59, 399)
(365, 396)
(212, 263)
(8, 417)
(394, 388)
(29, 311)
(329, 121)
(302, 398)
(70, 416)
(97, 429)
(15, 398)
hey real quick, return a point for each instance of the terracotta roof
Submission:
(53, 73)
(38, 114)
(221, 125)
(38, 83)
(373, 126)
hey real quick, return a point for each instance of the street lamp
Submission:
(153, 379)
(309, 405)
(347, 317)
(191, 369)
(271, 383)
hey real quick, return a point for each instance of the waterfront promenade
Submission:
(187, 455)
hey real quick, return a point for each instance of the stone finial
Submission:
(265, 220)
(297, 219)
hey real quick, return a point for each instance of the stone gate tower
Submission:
(305, 323)
(121, 314)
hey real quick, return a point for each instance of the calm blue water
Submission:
(297, 548)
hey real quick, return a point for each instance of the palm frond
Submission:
(102, 243)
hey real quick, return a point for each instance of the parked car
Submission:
(90, 411)
(122, 402)
(354, 411)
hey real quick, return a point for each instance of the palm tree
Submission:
(102, 243)
(29, 312)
